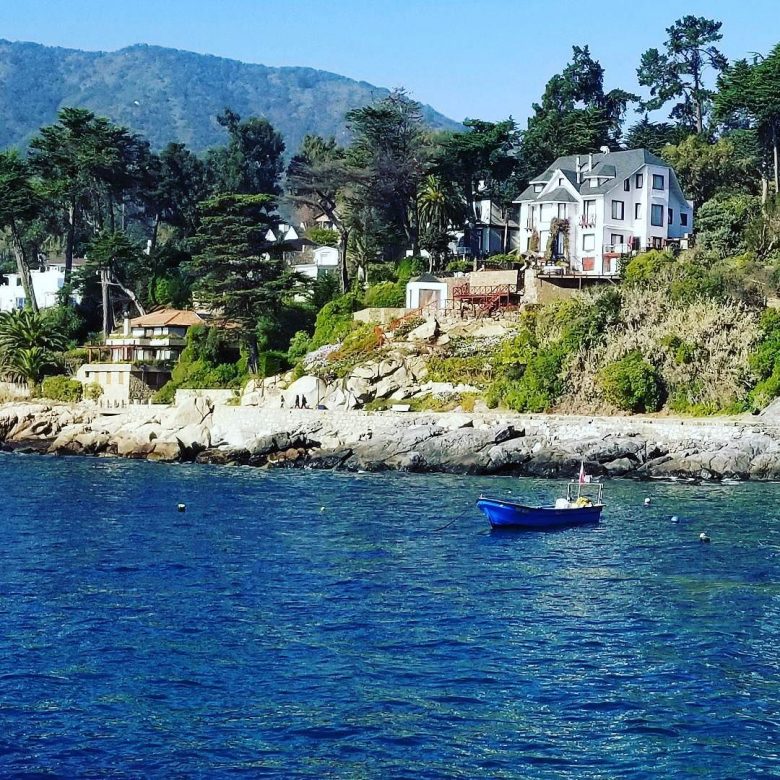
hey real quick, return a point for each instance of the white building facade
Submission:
(46, 284)
(600, 207)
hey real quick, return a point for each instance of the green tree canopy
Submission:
(679, 72)
(751, 92)
(574, 116)
(236, 273)
(252, 161)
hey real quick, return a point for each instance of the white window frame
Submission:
(622, 205)
(588, 242)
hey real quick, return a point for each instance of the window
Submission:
(561, 211)
(588, 242)
(670, 219)
(538, 187)
(627, 185)
(615, 239)
(657, 216)
(590, 210)
(658, 181)
(618, 207)
(640, 181)
(683, 219)
(637, 211)
(560, 181)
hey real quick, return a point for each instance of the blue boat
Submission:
(576, 509)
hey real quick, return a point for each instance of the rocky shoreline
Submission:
(459, 443)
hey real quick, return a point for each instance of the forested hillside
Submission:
(170, 95)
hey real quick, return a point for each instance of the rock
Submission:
(367, 371)
(194, 411)
(619, 467)
(360, 390)
(417, 367)
(386, 387)
(164, 451)
(428, 331)
(327, 459)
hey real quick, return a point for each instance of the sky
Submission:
(483, 59)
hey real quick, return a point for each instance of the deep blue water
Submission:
(259, 635)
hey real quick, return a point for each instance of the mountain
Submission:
(171, 95)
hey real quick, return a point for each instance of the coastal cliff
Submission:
(486, 443)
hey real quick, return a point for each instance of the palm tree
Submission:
(439, 207)
(29, 346)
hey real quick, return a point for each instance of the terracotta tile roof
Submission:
(172, 317)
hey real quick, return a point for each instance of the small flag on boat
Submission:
(582, 472)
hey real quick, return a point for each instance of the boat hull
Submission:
(507, 514)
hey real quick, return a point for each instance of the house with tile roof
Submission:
(137, 361)
(585, 212)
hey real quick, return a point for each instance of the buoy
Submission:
(322, 509)
(704, 538)
(181, 507)
(648, 502)
(674, 519)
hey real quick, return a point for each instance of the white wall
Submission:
(413, 290)
(46, 284)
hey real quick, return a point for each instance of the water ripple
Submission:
(258, 636)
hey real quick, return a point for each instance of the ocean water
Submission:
(302, 624)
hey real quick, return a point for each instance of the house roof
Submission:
(426, 277)
(167, 317)
(558, 195)
(615, 165)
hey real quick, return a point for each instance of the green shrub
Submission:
(722, 221)
(410, 266)
(323, 236)
(271, 362)
(460, 266)
(300, 345)
(334, 320)
(632, 384)
(385, 295)
(765, 360)
(62, 388)
(93, 391)
(646, 268)
(210, 359)
(533, 383)
(474, 370)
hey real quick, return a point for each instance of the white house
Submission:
(46, 284)
(602, 206)
(323, 260)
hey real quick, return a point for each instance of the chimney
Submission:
(126, 326)
(590, 162)
(579, 170)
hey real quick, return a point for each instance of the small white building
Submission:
(600, 207)
(426, 291)
(323, 260)
(46, 284)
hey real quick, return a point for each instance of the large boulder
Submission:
(428, 331)
(312, 388)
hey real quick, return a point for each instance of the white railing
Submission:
(617, 249)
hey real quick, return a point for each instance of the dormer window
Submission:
(538, 187)
(560, 181)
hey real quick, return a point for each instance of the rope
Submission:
(452, 522)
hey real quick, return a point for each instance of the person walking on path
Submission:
(297, 402)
